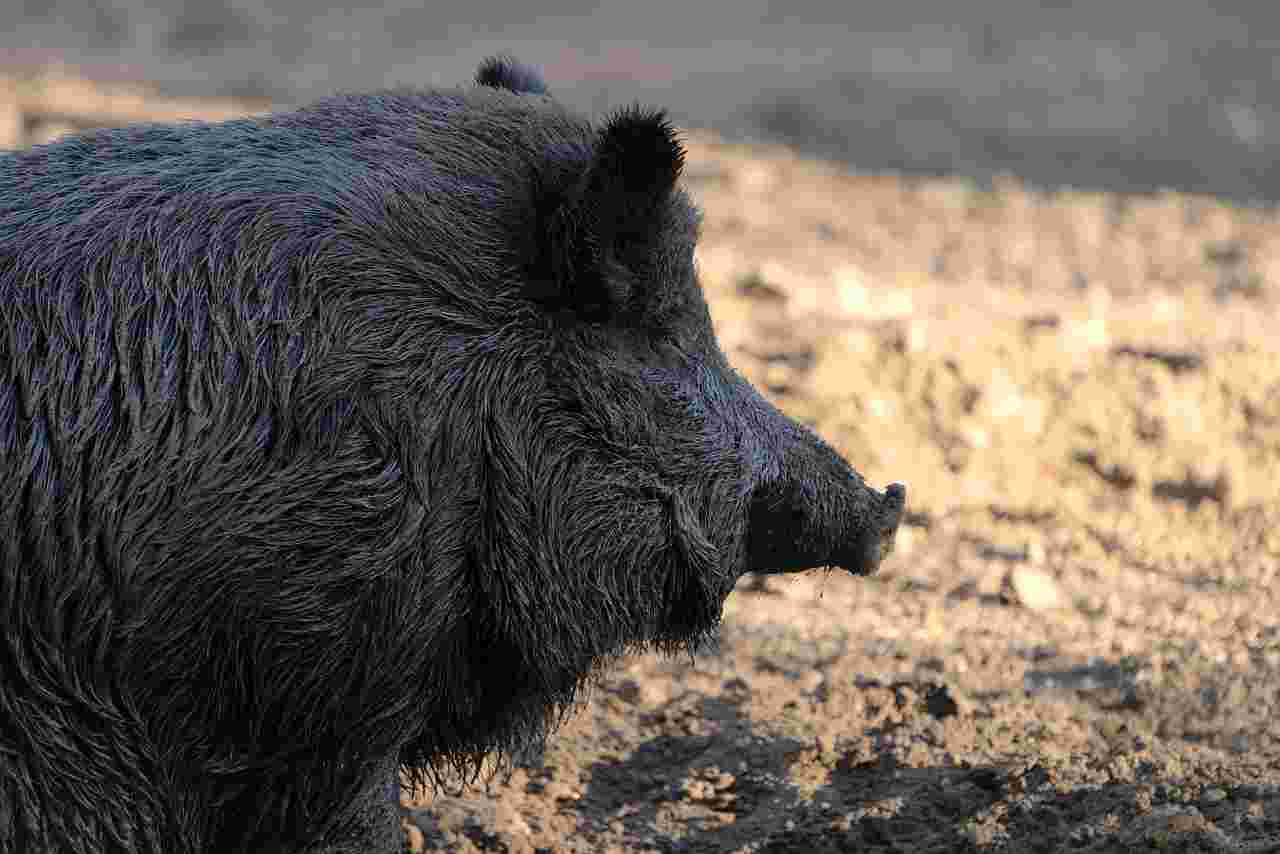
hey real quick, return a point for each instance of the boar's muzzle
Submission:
(793, 535)
(812, 509)
(876, 542)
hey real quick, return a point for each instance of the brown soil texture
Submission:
(1076, 645)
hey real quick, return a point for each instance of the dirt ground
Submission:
(1077, 643)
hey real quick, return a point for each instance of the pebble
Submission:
(1035, 590)
(416, 841)
(1213, 795)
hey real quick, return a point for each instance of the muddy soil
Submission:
(1077, 643)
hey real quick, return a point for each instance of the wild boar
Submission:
(355, 438)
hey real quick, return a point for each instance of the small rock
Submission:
(413, 835)
(698, 790)
(1213, 795)
(557, 790)
(810, 682)
(628, 690)
(1034, 589)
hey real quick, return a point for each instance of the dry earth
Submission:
(1077, 643)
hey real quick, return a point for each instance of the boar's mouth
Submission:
(793, 529)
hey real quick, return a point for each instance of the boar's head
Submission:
(619, 475)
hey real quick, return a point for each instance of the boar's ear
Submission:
(613, 213)
(637, 161)
(505, 72)
(639, 152)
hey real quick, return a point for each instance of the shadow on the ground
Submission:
(734, 789)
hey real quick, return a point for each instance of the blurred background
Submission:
(1140, 94)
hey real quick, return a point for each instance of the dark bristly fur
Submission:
(503, 72)
(352, 437)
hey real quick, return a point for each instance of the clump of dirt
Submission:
(1077, 643)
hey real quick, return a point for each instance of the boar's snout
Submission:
(808, 532)
(816, 510)
(876, 542)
